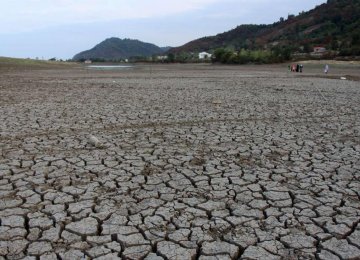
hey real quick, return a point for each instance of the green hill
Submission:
(334, 25)
(116, 49)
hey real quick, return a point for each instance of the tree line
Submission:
(243, 56)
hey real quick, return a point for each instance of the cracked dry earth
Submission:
(197, 162)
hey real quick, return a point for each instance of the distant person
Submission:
(301, 68)
(289, 68)
(293, 68)
(326, 69)
(297, 68)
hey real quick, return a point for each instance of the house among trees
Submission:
(161, 57)
(204, 55)
(319, 49)
(88, 61)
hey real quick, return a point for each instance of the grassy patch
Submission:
(15, 63)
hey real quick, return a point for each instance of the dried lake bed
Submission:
(195, 162)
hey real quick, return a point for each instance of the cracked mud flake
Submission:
(266, 174)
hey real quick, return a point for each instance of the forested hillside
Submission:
(334, 25)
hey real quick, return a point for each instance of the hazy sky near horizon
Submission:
(62, 28)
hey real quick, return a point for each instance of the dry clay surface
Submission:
(195, 162)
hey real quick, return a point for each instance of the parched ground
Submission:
(196, 162)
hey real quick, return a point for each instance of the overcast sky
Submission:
(62, 28)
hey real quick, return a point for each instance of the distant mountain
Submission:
(334, 25)
(165, 49)
(116, 49)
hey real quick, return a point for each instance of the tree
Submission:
(291, 16)
(307, 48)
(171, 57)
(355, 38)
(218, 55)
(334, 44)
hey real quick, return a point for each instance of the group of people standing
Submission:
(296, 68)
(299, 68)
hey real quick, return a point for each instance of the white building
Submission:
(162, 58)
(204, 55)
(319, 49)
